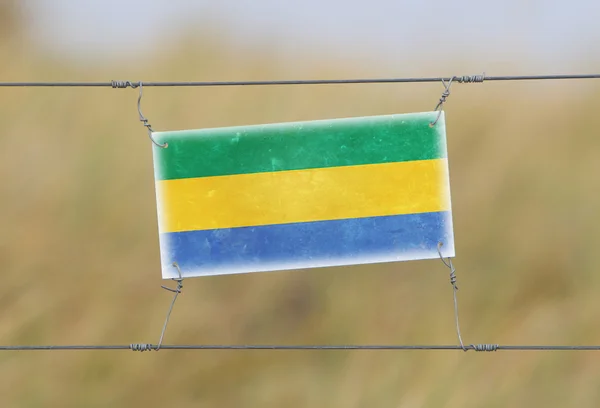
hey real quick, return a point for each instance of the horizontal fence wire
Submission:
(460, 79)
(152, 347)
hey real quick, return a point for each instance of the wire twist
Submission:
(177, 291)
(142, 118)
(485, 347)
(445, 94)
(129, 84)
(442, 100)
(465, 79)
(476, 347)
(141, 347)
(124, 84)
(455, 289)
(468, 79)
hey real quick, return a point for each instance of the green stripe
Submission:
(299, 145)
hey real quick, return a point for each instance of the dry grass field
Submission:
(80, 262)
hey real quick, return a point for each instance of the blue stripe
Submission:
(310, 244)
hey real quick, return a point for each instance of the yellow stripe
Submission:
(303, 195)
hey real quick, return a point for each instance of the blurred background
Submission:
(78, 237)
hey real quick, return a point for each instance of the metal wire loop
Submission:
(177, 291)
(476, 347)
(178, 280)
(442, 100)
(449, 266)
(145, 121)
(455, 289)
(465, 79)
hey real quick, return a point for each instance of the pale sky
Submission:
(552, 33)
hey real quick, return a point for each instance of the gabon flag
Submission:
(303, 195)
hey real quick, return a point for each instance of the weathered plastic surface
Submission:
(303, 195)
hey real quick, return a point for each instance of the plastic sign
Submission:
(303, 195)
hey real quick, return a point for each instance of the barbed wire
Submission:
(459, 79)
